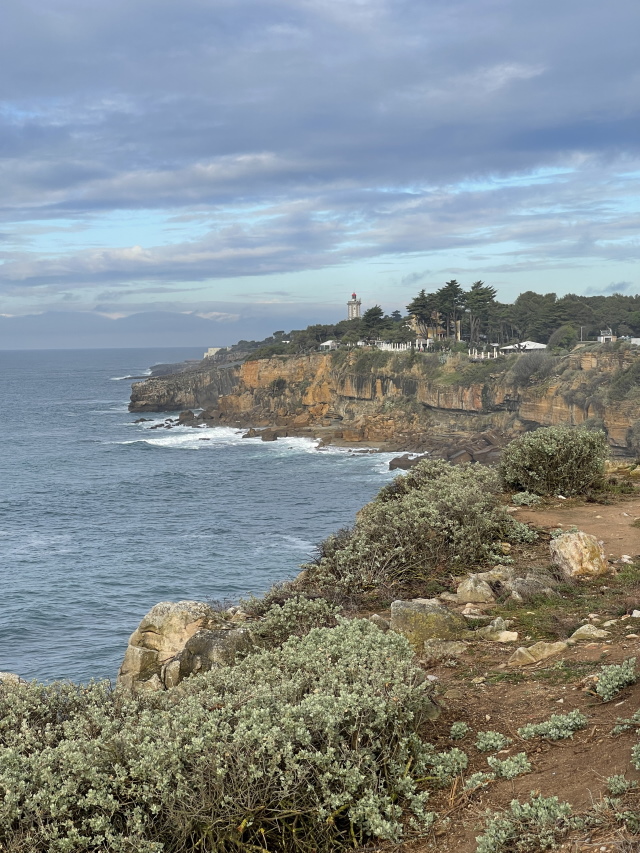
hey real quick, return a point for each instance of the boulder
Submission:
(423, 619)
(436, 650)
(380, 622)
(162, 635)
(589, 632)
(536, 652)
(474, 590)
(11, 678)
(497, 632)
(186, 417)
(251, 433)
(269, 435)
(579, 555)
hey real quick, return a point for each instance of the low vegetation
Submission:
(432, 520)
(554, 460)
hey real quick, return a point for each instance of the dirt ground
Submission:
(484, 691)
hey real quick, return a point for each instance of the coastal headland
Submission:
(410, 402)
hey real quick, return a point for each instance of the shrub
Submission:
(536, 825)
(437, 516)
(554, 460)
(612, 679)
(525, 499)
(510, 767)
(557, 727)
(311, 747)
(619, 785)
(532, 366)
(458, 731)
(478, 780)
(491, 741)
(295, 618)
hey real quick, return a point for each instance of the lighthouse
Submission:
(353, 307)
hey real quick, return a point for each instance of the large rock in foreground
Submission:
(579, 555)
(176, 640)
(423, 619)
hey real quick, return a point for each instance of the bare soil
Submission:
(484, 691)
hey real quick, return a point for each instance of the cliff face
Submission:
(400, 401)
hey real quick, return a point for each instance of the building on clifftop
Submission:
(353, 307)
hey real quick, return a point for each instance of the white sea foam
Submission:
(130, 376)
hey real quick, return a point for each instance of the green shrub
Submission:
(557, 727)
(459, 730)
(478, 780)
(491, 741)
(532, 367)
(311, 747)
(295, 618)
(525, 499)
(511, 767)
(619, 785)
(435, 517)
(554, 460)
(612, 679)
(533, 826)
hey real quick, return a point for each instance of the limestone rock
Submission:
(11, 678)
(380, 622)
(590, 632)
(474, 590)
(536, 652)
(425, 619)
(435, 650)
(162, 635)
(579, 555)
(497, 632)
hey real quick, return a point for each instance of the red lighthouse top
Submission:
(353, 296)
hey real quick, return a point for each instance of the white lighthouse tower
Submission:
(353, 307)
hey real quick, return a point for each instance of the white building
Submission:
(353, 307)
(525, 346)
(327, 346)
(212, 351)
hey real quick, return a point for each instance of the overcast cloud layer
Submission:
(180, 155)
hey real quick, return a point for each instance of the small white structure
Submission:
(606, 336)
(327, 346)
(212, 351)
(525, 346)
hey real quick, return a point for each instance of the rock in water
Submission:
(425, 619)
(579, 555)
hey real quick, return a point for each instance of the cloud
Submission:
(276, 137)
(614, 287)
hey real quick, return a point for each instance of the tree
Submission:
(372, 321)
(423, 308)
(479, 301)
(450, 301)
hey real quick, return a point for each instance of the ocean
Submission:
(101, 518)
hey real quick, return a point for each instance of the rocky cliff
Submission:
(410, 401)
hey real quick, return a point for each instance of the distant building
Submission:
(525, 346)
(353, 307)
(606, 336)
(327, 346)
(212, 351)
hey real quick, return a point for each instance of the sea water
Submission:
(101, 518)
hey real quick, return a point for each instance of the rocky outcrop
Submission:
(402, 404)
(176, 640)
(579, 555)
(421, 619)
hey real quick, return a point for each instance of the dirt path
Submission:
(612, 524)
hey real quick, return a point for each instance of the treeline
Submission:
(559, 322)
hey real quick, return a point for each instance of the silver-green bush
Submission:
(509, 768)
(491, 741)
(311, 746)
(557, 727)
(533, 826)
(554, 460)
(612, 679)
(435, 517)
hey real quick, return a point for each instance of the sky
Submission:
(208, 170)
